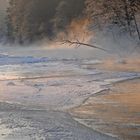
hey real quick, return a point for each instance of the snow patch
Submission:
(12, 60)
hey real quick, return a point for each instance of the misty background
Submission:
(112, 25)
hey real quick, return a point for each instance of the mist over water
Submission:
(119, 47)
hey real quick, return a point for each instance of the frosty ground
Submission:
(38, 87)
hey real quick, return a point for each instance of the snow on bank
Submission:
(12, 60)
(15, 67)
(42, 125)
(40, 83)
(53, 84)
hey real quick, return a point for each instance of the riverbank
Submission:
(38, 91)
(116, 111)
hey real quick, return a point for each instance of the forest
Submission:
(29, 21)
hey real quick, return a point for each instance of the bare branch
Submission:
(77, 43)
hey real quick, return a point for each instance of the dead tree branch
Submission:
(78, 44)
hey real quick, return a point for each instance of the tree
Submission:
(66, 11)
(3, 7)
(35, 19)
(115, 12)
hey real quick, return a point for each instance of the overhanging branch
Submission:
(78, 44)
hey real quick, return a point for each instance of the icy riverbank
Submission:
(56, 85)
(37, 91)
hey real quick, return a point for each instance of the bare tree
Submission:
(115, 12)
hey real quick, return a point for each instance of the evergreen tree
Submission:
(36, 19)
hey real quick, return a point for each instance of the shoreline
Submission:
(90, 119)
(42, 109)
(11, 121)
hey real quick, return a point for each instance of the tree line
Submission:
(3, 5)
(31, 20)
(122, 13)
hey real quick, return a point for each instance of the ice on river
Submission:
(56, 84)
(36, 90)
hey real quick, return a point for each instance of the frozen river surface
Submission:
(36, 93)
